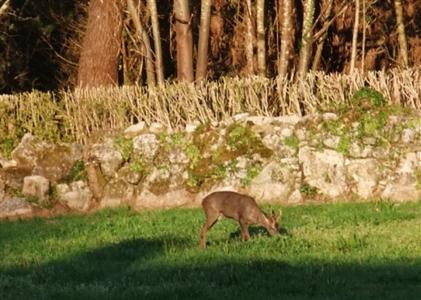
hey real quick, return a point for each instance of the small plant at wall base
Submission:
(308, 190)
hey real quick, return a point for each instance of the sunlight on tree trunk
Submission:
(403, 48)
(202, 55)
(98, 61)
(261, 46)
(363, 42)
(249, 38)
(286, 37)
(146, 45)
(355, 37)
(4, 7)
(184, 40)
(306, 38)
(159, 65)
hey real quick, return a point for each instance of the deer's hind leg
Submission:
(211, 219)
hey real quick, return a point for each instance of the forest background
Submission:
(54, 45)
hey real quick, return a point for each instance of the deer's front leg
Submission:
(245, 235)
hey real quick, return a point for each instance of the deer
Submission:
(239, 207)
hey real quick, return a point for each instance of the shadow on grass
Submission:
(146, 269)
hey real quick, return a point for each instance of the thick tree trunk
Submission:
(355, 37)
(98, 61)
(287, 31)
(306, 38)
(261, 47)
(202, 55)
(159, 65)
(403, 48)
(184, 40)
(249, 38)
(146, 45)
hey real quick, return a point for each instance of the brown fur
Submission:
(241, 208)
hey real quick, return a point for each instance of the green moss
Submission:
(333, 126)
(7, 144)
(140, 167)
(124, 146)
(292, 141)
(193, 154)
(367, 98)
(251, 172)
(243, 140)
(77, 172)
(344, 144)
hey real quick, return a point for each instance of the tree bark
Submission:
(98, 63)
(159, 65)
(261, 47)
(249, 38)
(146, 45)
(286, 37)
(202, 55)
(306, 38)
(327, 10)
(355, 37)
(403, 48)
(184, 40)
(4, 7)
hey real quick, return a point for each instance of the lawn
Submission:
(332, 251)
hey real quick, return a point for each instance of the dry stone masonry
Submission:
(352, 155)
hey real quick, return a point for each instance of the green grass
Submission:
(339, 251)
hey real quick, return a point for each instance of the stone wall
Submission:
(357, 154)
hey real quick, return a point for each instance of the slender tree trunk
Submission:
(261, 47)
(249, 39)
(184, 40)
(355, 37)
(159, 65)
(403, 48)
(364, 38)
(98, 63)
(327, 10)
(306, 38)
(146, 45)
(202, 55)
(286, 37)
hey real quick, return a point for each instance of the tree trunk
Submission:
(202, 55)
(261, 47)
(98, 63)
(287, 31)
(364, 38)
(403, 48)
(146, 45)
(159, 65)
(4, 7)
(327, 10)
(184, 40)
(306, 38)
(249, 38)
(355, 37)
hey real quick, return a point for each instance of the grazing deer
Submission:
(236, 206)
